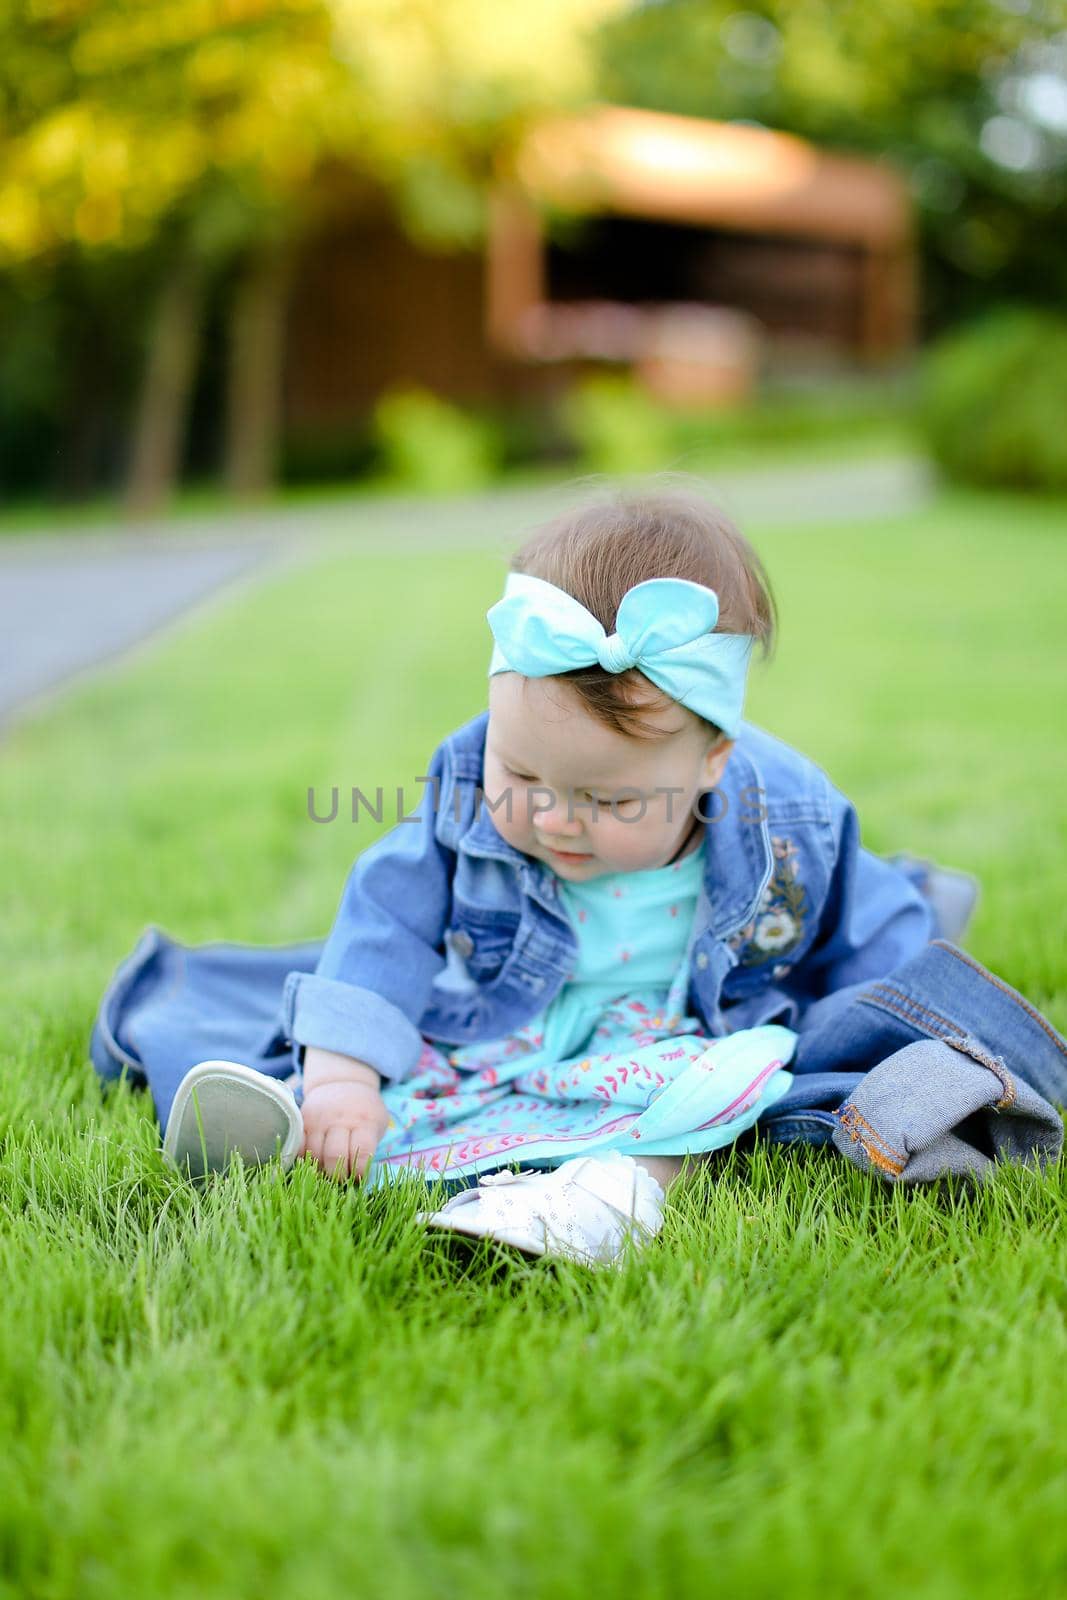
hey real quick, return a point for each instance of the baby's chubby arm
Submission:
(374, 977)
(344, 1113)
(356, 1016)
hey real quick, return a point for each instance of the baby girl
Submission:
(590, 949)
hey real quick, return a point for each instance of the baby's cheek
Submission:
(510, 821)
(505, 802)
(631, 843)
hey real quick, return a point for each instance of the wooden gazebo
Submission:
(614, 207)
(710, 178)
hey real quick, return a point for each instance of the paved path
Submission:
(797, 495)
(70, 601)
(67, 604)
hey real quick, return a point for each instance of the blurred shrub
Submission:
(533, 435)
(325, 454)
(617, 427)
(995, 399)
(433, 446)
(838, 415)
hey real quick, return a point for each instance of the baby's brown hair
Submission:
(599, 551)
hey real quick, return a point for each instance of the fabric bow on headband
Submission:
(663, 628)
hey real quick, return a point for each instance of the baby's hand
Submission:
(343, 1123)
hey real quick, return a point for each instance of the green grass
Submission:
(813, 1384)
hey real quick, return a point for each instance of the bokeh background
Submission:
(248, 246)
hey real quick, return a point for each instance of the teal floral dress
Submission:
(612, 1063)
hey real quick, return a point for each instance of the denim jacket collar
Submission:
(738, 856)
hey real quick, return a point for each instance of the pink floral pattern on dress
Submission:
(697, 1092)
(614, 1058)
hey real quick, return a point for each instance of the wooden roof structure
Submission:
(684, 169)
(617, 160)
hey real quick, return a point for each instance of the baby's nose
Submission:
(558, 817)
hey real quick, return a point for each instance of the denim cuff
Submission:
(353, 1021)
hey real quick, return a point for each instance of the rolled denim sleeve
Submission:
(373, 979)
(873, 917)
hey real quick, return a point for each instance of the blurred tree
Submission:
(210, 137)
(970, 96)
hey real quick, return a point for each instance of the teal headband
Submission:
(663, 628)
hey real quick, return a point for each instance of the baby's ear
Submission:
(715, 759)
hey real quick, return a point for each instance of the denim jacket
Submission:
(446, 932)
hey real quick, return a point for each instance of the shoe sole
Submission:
(222, 1109)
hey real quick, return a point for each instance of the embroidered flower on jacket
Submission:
(785, 850)
(775, 931)
(780, 919)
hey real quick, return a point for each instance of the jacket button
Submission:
(463, 944)
(702, 960)
(780, 970)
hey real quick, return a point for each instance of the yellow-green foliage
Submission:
(113, 115)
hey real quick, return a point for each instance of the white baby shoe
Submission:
(222, 1107)
(587, 1209)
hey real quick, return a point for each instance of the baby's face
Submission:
(552, 771)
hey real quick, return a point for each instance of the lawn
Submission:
(278, 1387)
